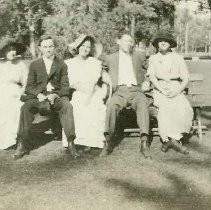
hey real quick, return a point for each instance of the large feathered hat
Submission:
(73, 47)
(10, 42)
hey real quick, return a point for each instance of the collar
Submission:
(48, 59)
(122, 53)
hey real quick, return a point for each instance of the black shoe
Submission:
(166, 146)
(108, 146)
(106, 150)
(144, 149)
(20, 151)
(72, 150)
(177, 146)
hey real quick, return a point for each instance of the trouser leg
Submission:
(140, 105)
(115, 105)
(65, 110)
(27, 112)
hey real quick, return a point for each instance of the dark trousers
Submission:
(30, 108)
(127, 97)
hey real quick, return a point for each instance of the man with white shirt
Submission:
(127, 75)
(47, 85)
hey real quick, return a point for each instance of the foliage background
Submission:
(27, 20)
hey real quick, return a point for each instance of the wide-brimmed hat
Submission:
(10, 42)
(164, 35)
(73, 47)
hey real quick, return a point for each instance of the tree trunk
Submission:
(186, 37)
(209, 36)
(32, 44)
(132, 32)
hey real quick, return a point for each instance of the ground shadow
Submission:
(191, 163)
(181, 196)
(196, 146)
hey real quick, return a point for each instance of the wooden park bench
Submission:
(194, 91)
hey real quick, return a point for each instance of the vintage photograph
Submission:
(105, 104)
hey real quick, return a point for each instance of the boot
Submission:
(178, 147)
(72, 150)
(144, 147)
(107, 148)
(20, 151)
(166, 146)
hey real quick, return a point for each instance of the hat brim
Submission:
(73, 47)
(19, 47)
(77, 43)
(172, 42)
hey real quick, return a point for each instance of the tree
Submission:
(103, 19)
(23, 19)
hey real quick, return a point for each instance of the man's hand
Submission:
(145, 86)
(52, 97)
(41, 97)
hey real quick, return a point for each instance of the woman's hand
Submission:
(145, 86)
(173, 93)
(165, 91)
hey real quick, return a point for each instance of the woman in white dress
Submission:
(168, 73)
(13, 75)
(89, 110)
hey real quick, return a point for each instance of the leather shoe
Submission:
(105, 150)
(166, 146)
(108, 147)
(144, 148)
(72, 150)
(20, 151)
(178, 147)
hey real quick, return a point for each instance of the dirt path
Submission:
(49, 179)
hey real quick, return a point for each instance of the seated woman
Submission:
(13, 76)
(169, 75)
(84, 73)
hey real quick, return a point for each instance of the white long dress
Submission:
(174, 114)
(12, 83)
(88, 107)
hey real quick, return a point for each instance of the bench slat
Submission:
(196, 77)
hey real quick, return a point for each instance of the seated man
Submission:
(47, 81)
(127, 75)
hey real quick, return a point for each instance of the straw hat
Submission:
(73, 47)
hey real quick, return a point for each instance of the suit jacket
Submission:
(111, 64)
(38, 78)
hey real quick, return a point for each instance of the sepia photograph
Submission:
(105, 104)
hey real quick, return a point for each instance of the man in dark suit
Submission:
(127, 75)
(47, 83)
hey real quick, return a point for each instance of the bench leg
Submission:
(199, 123)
